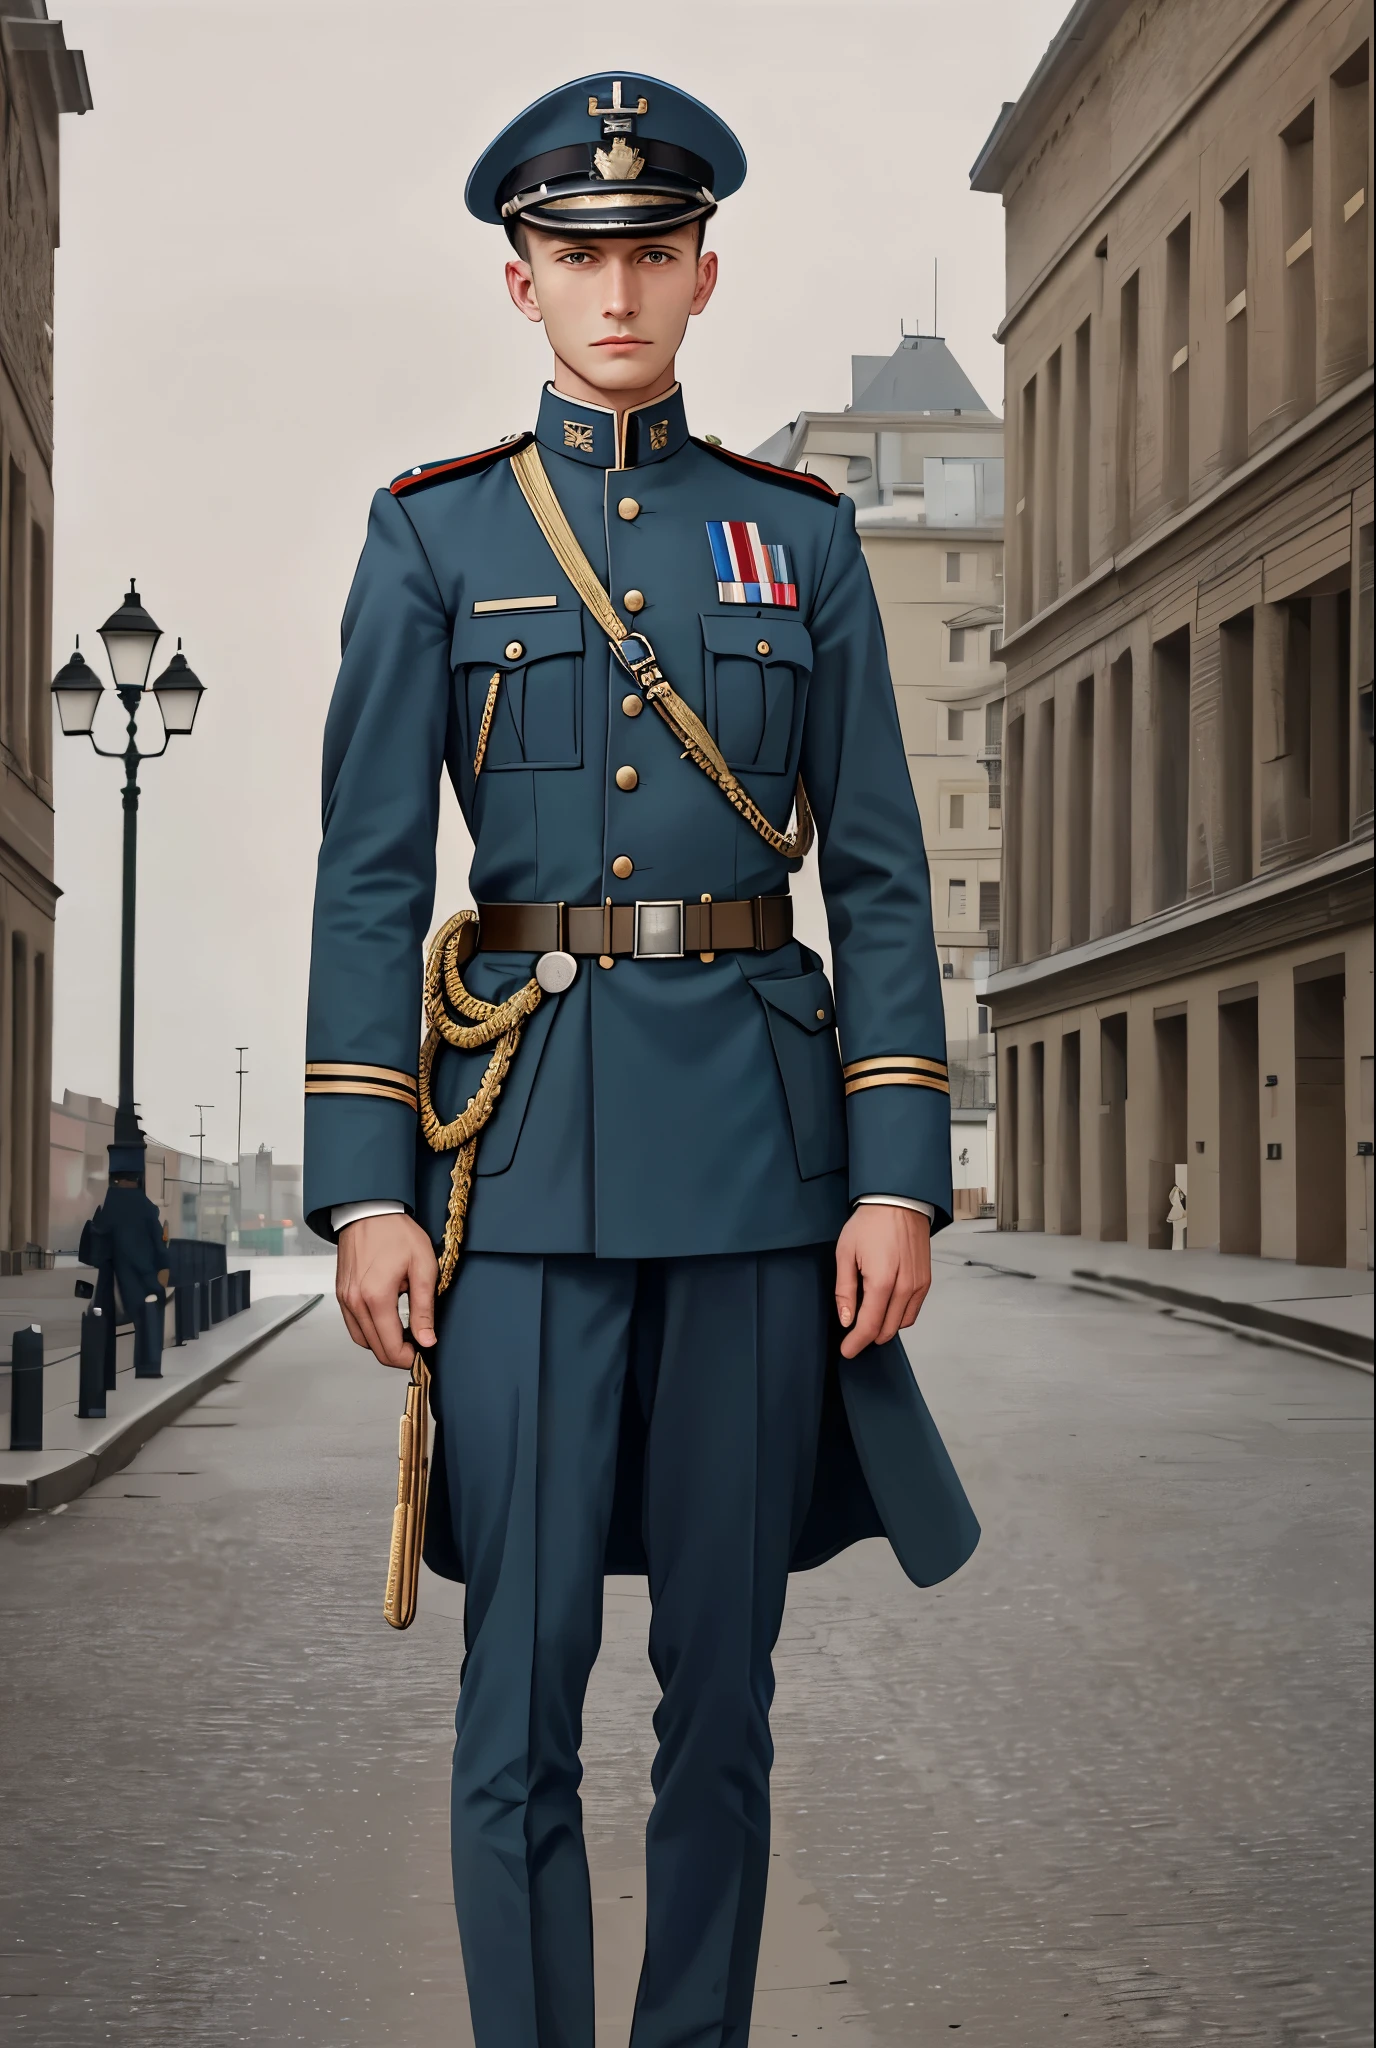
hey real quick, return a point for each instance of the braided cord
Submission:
(496, 1024)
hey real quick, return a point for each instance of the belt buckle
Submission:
(660, 935)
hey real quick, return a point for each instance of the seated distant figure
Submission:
(124, 1240)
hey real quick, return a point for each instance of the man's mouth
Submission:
(621, 341)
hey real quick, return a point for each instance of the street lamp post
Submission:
(130, 638)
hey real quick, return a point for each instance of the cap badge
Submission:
(642, 105)
(620, 161)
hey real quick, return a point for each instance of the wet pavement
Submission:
(1110, 1786)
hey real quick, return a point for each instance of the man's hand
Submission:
(380, 1258)
(889, 1252)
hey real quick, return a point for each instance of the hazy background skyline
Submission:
(270, 300)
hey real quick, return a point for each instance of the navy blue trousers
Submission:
(720, 1365)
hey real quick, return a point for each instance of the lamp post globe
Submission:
(77, 691)
(179, 691)
(130, 637)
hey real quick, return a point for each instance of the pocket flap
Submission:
(803, 997)
(538, 635)
(788, 640)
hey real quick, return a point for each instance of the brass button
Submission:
(626, 778)
(634, 600)
(623, 867)
(629, 508)
(762, 647)
(605, 960)
(514, 650)
(632, 705)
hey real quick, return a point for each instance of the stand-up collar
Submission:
(609, 440)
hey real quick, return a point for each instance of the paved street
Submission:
(1110, 1786)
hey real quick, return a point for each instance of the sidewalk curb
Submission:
(1260, 1325)
(121, 1441)
(1252, 1318)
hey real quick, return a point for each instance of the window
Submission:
(995, 640)
(982, 1019)
(952, 568)
(955, 724)
(1079, 456)
(1350, 90)
(989, 906)
(1125, 482)
(1048, 491)
(1235, 248)
(957, 643)
(1178, 361)
(955, 903)
(958, 816)
(1297, 198)
(993, 724)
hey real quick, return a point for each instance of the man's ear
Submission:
(706, 280)
(520, 282)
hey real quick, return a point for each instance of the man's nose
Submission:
(621, 301)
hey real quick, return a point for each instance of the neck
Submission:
(569, 384)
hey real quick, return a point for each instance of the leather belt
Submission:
(641, 931)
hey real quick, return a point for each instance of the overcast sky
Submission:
(270, 300)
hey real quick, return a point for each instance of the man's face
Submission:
(615, 309)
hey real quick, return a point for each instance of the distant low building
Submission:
(195, 1198)
(921, 455)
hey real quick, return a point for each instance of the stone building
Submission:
(922, 456)
(40, 78)
(1186, 969)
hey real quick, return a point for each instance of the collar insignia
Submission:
(620, 161)
(578, 435)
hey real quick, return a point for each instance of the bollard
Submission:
(245, 1283)
(148, 1339)
(203, 1305)
(90, 1403)
(110, 1323)
(26, 1390)
(184, 1312)
(219, 1307)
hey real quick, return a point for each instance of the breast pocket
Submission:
(528, 668)
(756, 676)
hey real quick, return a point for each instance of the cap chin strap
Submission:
(637, 657)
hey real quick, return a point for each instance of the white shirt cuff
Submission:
(899, 1202)
(354, 1212)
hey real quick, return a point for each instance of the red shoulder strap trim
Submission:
(800, 479)
(458, 465)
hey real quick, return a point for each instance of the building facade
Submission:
(922, 456)
(1186, 970)
(39, 80)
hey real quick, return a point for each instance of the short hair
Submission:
(519, 232)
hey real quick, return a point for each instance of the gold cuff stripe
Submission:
(909, 1061)
(406, 1097)
(357, 1070)
(898, 1081)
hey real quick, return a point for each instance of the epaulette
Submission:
(420, 478)
(797, 479)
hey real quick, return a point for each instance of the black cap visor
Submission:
(633, 189)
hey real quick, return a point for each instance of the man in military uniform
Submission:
(124, 1241)
(682, 1235)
